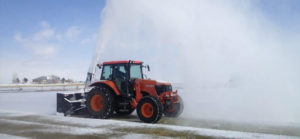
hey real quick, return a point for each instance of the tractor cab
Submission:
(122, 74)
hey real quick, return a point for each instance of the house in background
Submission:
(40, 80)
(46, 79)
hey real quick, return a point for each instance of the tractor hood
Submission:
(161, 82)
(148, 82)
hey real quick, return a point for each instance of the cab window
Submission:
(106, 72)
(120, 72)
(135, 72)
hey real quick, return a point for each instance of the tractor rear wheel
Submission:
(100, 102)
(177, 110)
(149, 109)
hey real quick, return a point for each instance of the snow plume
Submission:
(233, 62)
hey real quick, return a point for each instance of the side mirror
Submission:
(145, 76)
(99, 66)
(148, 67)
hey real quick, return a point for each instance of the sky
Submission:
(47, 37)
(57, 37)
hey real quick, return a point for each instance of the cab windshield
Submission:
(136, 71)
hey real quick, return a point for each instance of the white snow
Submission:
(100, 126)
(5, 136)
(141, 136)
(43, 104)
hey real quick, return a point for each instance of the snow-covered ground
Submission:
(40, 103)
(40, 87)
(33, 125)
(5, 136)
(33, 115)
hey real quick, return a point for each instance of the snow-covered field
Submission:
(35, 102)
(40, 87)
(33, 125)
(33, 115)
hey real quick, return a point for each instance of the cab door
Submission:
(121, 78)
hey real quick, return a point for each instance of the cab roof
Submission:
(122, 62)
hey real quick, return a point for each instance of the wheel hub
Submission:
(96, 103)
(147, 110)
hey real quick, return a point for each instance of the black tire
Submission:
(155, 109)
(106, 104)
(124, 112)
(177, 111)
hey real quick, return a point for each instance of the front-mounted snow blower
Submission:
(122, 88)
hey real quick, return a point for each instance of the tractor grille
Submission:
(162, 88)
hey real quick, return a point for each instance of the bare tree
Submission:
(15, 78)
(63, 80)
(25, 80)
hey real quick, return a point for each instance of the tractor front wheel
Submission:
(100, 103)
(176, 111)
(149, 109)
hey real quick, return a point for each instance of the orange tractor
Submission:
(122, 88)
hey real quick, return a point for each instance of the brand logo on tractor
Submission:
(149, 85)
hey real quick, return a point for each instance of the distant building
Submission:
(40, 80)
(69, 81)
(46, 79)
(53, 79)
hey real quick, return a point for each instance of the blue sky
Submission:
(65, 32)
(285, 13)
(58, 36)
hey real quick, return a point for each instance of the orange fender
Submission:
(110, 84)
